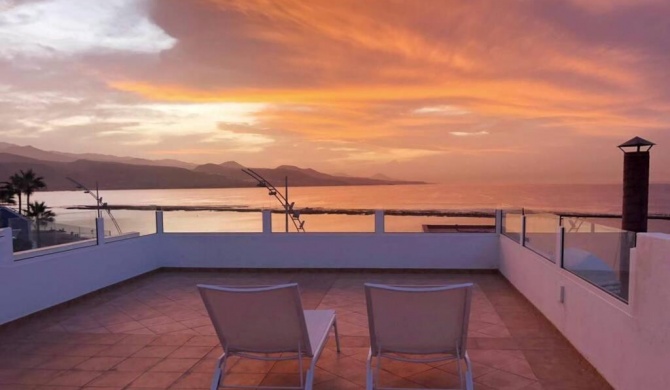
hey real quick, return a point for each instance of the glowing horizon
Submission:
(444, 91)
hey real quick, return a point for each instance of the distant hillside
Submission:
(381, 176)
(38, 154)
(113, 172)
(113, 176)
(34, 153)
(296, 176)
(232, 165)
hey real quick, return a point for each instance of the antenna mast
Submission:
(273, 191)
(98, 200)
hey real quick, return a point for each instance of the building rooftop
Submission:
(153, 332)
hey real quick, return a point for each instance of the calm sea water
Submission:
(576, 198)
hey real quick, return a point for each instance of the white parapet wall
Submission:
(35, 280)
(49, 278)
(629, 344)
(331, 250)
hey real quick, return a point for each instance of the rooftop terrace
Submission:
(153, 332)
(557, 303)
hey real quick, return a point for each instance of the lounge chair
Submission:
(418, 324)
(267, 323)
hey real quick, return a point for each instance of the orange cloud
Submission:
(394, 80)
(513, 99)
(363, 68)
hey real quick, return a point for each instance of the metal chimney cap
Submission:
(636, 144)
(636, 141)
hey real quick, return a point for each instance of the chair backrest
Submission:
(418, 320)
(258, 319)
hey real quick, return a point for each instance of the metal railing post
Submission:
(267, 221)
(379, 221)
(100, 230)
(6, 247)
(522, 238)
(159, 222)
(499, 220)
(560, 246)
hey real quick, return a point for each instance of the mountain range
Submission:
(116, 173)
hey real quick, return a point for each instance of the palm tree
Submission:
(31, 182)
(7, 192)
(26, 182)
(41, 214)
(16, 182)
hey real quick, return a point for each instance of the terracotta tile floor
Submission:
(153, 333)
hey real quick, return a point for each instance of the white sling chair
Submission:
(253, 322)
(430, 322)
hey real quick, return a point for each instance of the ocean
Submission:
(598, 199)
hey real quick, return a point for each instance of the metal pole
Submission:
(288, 207)
(97, 198)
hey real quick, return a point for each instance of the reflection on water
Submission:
(577, 198)
(211, 222)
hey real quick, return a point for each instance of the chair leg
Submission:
(461, 377)
(469, 384)
(369, 385)
(337, 335)
(218, 372)
(216, 379)
(309, 381)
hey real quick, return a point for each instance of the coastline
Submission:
(483, 213)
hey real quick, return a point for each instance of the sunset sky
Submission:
(444, 90)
